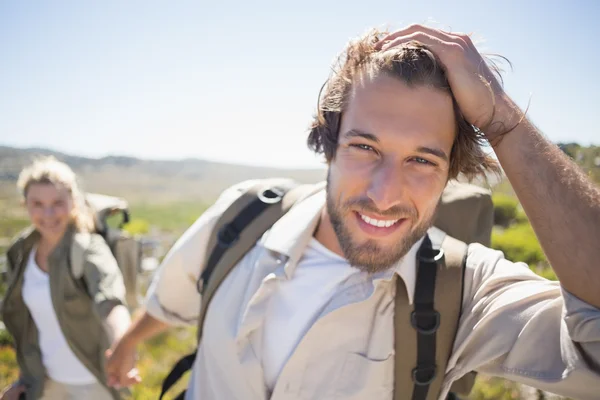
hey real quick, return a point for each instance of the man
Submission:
(306, 313)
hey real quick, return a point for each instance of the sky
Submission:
(237, 81)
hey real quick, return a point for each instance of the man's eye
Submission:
(423, 161)
(365, 147)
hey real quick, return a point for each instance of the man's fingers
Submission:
(441, 36)
(436, 45)
(133, 377)
(134, 373)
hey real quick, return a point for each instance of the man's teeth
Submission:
(378, 222)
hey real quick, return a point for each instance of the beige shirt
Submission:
(515, 324)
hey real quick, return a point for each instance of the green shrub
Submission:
(9, 370)
(489, 388)
(519, 243)
(546, 272)
(5, 338)
(505, 209)
(173, 217)
(137, 226)
(521, 217)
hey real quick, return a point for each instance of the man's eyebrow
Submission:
(358, 133)
(433, 151)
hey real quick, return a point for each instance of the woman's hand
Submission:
(121, 368)
(12, 392)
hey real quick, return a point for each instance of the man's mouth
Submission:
(380, 223)
(378, 226)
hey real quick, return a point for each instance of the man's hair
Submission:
(413, 64)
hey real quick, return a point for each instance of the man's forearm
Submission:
(563, 205)
(143, 327)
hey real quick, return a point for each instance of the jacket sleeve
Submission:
(172, 296)
(522, 327)
(103, 276)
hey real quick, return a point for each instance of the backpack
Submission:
(425, 331)
(126, 249)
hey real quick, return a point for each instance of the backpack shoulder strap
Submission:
(240, 227)
(425, 331)
(234, 234)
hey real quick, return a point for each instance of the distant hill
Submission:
(141, 180)
(156, 181)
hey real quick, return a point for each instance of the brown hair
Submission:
(415, 65)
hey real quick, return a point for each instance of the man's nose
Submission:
(388, 187)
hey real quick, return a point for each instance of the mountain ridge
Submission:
(140, 180)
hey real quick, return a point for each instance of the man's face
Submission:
(390, 169)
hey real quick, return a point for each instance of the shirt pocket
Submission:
(365, 378)
(76, 305)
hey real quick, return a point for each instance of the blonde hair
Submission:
(49, 170)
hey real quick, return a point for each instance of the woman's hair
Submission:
(48, 170)
(413, 64)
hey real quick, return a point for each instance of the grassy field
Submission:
(166, 222)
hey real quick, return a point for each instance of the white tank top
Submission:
(61, 364)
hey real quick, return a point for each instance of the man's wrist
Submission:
(507, 116)
(127, 341)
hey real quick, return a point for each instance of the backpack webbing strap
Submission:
(236, 232)
(176, 373)
(434, 316)
(246, 220)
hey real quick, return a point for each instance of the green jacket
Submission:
(81, 305)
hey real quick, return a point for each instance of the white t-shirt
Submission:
(296, 303)
(61, 364)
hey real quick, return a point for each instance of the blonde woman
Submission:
(61, 325)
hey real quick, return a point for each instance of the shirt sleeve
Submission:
(522, 327)
(172, 296)
(102, 275)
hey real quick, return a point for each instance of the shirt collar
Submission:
(290, 235)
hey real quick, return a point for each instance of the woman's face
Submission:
(49, 207)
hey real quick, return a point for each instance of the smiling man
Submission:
(389, 168)
(308, 312)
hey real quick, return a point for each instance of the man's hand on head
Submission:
(479, 95)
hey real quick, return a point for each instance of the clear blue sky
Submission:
(237, 81)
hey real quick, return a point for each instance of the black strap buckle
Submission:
(430, 255)
(227, 236)
(423, 376)
(200, 285)
(271, 196)
(420, 320)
